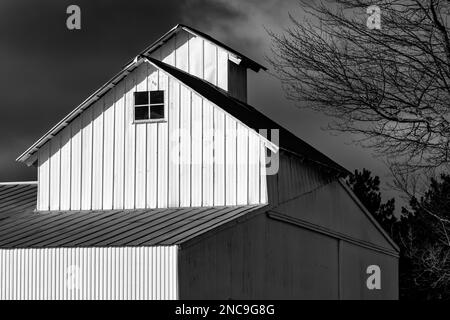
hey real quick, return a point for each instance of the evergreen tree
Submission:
(367, 189)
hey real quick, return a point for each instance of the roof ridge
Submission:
(252, 64)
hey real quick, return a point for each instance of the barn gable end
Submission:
(103, 160)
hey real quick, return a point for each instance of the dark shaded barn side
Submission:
(315, 241)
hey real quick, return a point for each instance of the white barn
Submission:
(157, 187)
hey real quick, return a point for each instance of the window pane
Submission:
(140, 113)
(141, 97)
(156, 96)
(157, 112)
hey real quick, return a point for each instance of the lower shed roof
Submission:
(145, 227)
(17, 198)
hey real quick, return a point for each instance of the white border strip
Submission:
(11, 183)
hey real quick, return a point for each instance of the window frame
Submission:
(149, 105)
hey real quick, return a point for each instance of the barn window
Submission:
(149, 106)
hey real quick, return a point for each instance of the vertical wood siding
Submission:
(89, 273)
(200, 157)
(237, 81)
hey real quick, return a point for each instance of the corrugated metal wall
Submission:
(89, 273)
(200, 157)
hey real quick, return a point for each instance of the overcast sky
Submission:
(47, 70)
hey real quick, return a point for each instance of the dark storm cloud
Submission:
(46, 69)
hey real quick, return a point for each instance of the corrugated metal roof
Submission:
(249, 115)
(17, 198)
(145, 227)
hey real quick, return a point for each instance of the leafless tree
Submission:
(391, 86)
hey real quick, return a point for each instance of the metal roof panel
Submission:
(143, 227)
(17, 198)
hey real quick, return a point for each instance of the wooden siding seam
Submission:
(157, 149)
(59, 171)
(102, 176)
(38, 193)
(179, 143)
(213, 111)
(201, 146)
(92, 158)
(225, 159)
(113, 96)
(190, 145)
(134, 141)
(260, 147)
(81, 162)
(203, 58)
(58, 140)
(146, 182)
(168, 142)
(248, 166)
(70, 166)
(216, 51)
(236, 161)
